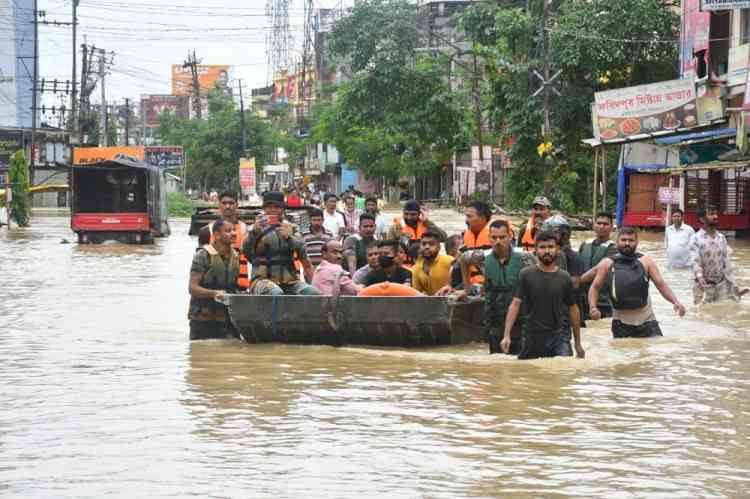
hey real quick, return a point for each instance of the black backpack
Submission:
(628, 282)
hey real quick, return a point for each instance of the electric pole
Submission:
(192, 63)
(545, 38)
(127, 122)
(34, 103)
(73, 96)
(103, 114)
(242, 119)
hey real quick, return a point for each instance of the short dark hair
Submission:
(499, 224)
(545, 235)
(705, 210)
(412, 205)
(204, 235)
(402, 245)
(216, 227)
(627, 230)
(371, 199)
(452, 242)
(228, 194)
(366, 216)
(678, 210)
(483, 209)
(604, 214)
(431, 234)
(329, 196)
(389, 243)
(374, 243)
(316, 212)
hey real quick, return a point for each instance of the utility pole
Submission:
(34, 103)
(545, 37)
(242, 120)
(103, 113)
(74, 95)
(127, 122)
(192, 63)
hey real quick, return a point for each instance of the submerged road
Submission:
(103, 396)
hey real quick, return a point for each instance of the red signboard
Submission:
(153, 105)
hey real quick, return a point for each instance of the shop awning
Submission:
(695, 137)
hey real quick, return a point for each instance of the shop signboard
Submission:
(247, 175)
(711, 5)
(644, 109)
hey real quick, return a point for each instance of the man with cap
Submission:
(275, 249)
(412, 226)
(541, 210)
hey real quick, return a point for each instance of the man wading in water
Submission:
(627, 275)
(549, 299)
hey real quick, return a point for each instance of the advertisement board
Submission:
(164, 156)
(737, 72)
(208, 77)
(650, 108)
(695, 36)
(90, 155)
(153, 105)
(247, 175)
(710, 5)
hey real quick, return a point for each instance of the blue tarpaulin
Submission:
(690, 137)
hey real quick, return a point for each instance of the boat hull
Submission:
(377, 321)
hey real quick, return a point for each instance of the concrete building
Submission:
(16, 63)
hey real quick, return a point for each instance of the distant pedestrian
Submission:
(678, 238)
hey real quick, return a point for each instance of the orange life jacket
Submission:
(388, 289)
(414, 235)
(240, 232)
(474, 242)
(528, 237)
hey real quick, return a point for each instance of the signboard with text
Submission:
(208, 77)
(643, 109)
(91, 155)
(247, 175)
(724, 4)
(164, 156)
(737, 72)
(669, 195)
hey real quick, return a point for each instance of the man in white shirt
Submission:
(678, 238)
(333, 220)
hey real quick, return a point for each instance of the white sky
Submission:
(148, 36)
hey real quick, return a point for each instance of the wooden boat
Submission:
(347, 320)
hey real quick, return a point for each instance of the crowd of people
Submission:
(537, 290)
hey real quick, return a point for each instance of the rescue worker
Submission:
(712, 262)
(540, 211)
(355, 246)
(477, 234)
(627, 274)
(411, 227)
(502, 268)
(213, 272)
(548, 297)
(275, 248)
(592, 252)
(431, 272)
(228, 202)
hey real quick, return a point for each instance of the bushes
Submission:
(180, 206)
(19, 177)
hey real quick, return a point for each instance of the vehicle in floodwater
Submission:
(116, 195)
(391, 321)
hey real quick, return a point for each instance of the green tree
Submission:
(397, 114)
(598, 45)
(214, 145)
(19, 178)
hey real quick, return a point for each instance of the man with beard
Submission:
(413, 226)
(712, 265)
(316, 237)
(591, 253)
(228, 202)
(355, 246)
(541, 210)
(627, 274)
(549, 299)
(432, 270)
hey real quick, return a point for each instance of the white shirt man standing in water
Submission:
(678, 238)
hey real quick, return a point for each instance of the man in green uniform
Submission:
(591, 253)
(501, 267)
(214, 272)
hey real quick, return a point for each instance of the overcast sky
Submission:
(148, 36)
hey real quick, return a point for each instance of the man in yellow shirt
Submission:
(432, 271)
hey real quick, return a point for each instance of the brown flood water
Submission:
(102, 395)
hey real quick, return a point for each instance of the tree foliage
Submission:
(397, 114)
(19, 178)
(214, 145)
(598, 45)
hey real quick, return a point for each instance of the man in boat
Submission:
(275, 248)
(627, 274)
(355, 252)
(412, 226)
(541, 210)
(712, 262)
(330, 278)
(592, 252)
(351, 214)
(213, 272)
(549, 299)
(502, 267)
(333, 219)
(390, 270)
(432, 270)
(373, 251)
(371, 207)
(316, 237)
(228, 203)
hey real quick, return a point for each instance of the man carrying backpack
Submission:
(627, 276)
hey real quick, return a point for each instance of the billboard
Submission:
(89, 155)
(208, 76)
(696, 26)
(153, 105)
(642, 109)
(247, 175)
(164, 156)
(724, 4)
(16, 62)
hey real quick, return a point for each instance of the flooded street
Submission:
(103, 395)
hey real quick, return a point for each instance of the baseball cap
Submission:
(541, 201)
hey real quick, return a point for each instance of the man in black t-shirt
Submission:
(550, 300)
(390, 270)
